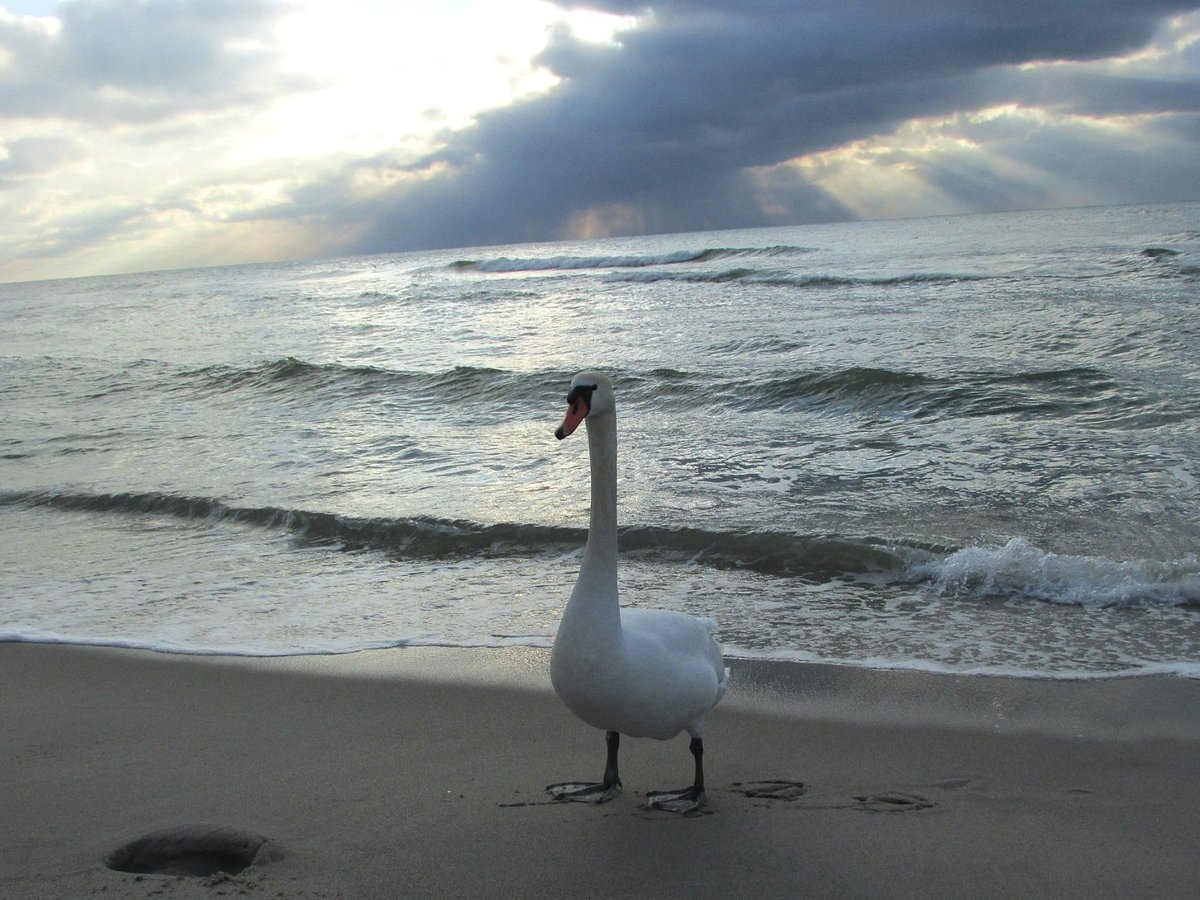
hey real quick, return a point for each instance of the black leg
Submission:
(697, 748)
(612, 740)
(591, 792)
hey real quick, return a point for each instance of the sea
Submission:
(962, 444)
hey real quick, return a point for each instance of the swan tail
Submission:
(722, 685)
(718, 660)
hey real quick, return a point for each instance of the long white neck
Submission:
(594, 604)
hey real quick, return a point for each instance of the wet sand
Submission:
(421, 773)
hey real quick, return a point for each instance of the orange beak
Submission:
(575, 414)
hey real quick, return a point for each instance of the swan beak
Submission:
(575, 414)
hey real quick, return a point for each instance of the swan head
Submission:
(591, 395)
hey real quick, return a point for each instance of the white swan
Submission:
(639, 672)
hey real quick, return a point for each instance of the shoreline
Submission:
(1186, 671)
(420, 772)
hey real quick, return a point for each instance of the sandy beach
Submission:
(421, 773)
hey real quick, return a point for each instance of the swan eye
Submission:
(581, 392)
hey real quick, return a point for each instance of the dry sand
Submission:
(421, 773)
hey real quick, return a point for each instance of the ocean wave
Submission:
(300, 380)
(1087, 396)
(774, 278)
(1161, 262)
(1021, 570)
(504, 264)
(978, 392)
(282, 373)
(1018, 570)
(1090, 395)
(812, 556)
(760, 345)
(842, 384)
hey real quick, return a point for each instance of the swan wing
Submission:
(673, 674)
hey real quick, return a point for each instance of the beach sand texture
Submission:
(421, 773)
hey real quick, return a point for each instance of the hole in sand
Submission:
(196, 850)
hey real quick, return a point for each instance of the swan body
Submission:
(639, 672)
(662, 676)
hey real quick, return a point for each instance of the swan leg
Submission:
(689, 801)
(592, 792)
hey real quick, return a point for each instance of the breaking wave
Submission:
(813, 556)
(1017, 570)
(779, 279)
(631, 261)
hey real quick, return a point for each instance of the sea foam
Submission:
(1019, 569)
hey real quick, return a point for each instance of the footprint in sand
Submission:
(893, 801)
(788, 791)
(773, 789)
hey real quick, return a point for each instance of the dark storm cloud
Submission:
(666, 126)
(130, 61)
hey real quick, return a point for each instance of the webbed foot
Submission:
(686, 802)
(584, 792)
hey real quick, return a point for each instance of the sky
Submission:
(153, 134)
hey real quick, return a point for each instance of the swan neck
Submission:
(602, 527)
(591, 624)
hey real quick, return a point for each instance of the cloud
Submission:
(179, 132)
(26, 157)
(679, 124)
(119, 61)
(112, 112)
